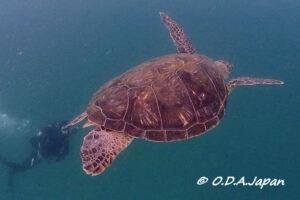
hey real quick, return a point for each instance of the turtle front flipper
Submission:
(177, 34)
(100, 148)
(246, 81)
(78, 119)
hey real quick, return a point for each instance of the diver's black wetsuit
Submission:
(49, 142)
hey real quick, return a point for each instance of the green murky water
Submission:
(55, 54)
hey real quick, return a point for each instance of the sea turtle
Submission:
(170, 98)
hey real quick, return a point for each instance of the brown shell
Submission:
(169, 98)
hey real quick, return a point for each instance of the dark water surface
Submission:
(55, 54)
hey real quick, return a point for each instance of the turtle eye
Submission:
(202, 96)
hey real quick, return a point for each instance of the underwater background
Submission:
(55, 54)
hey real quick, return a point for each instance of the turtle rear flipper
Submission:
(100, 148)
(246, 81)
(78, 119)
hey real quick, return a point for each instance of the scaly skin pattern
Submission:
(177, 34)
(248, 81)
(173, 97)
(100, 148)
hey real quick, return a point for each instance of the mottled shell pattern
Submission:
(173, 97)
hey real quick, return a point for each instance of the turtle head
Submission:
(224, 67)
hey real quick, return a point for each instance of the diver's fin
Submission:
(14, 167)
(78, 119)
(177, 34)
(246, 81)
(100, 148)
(11, 180)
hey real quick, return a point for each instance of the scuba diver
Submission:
(49, 142)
